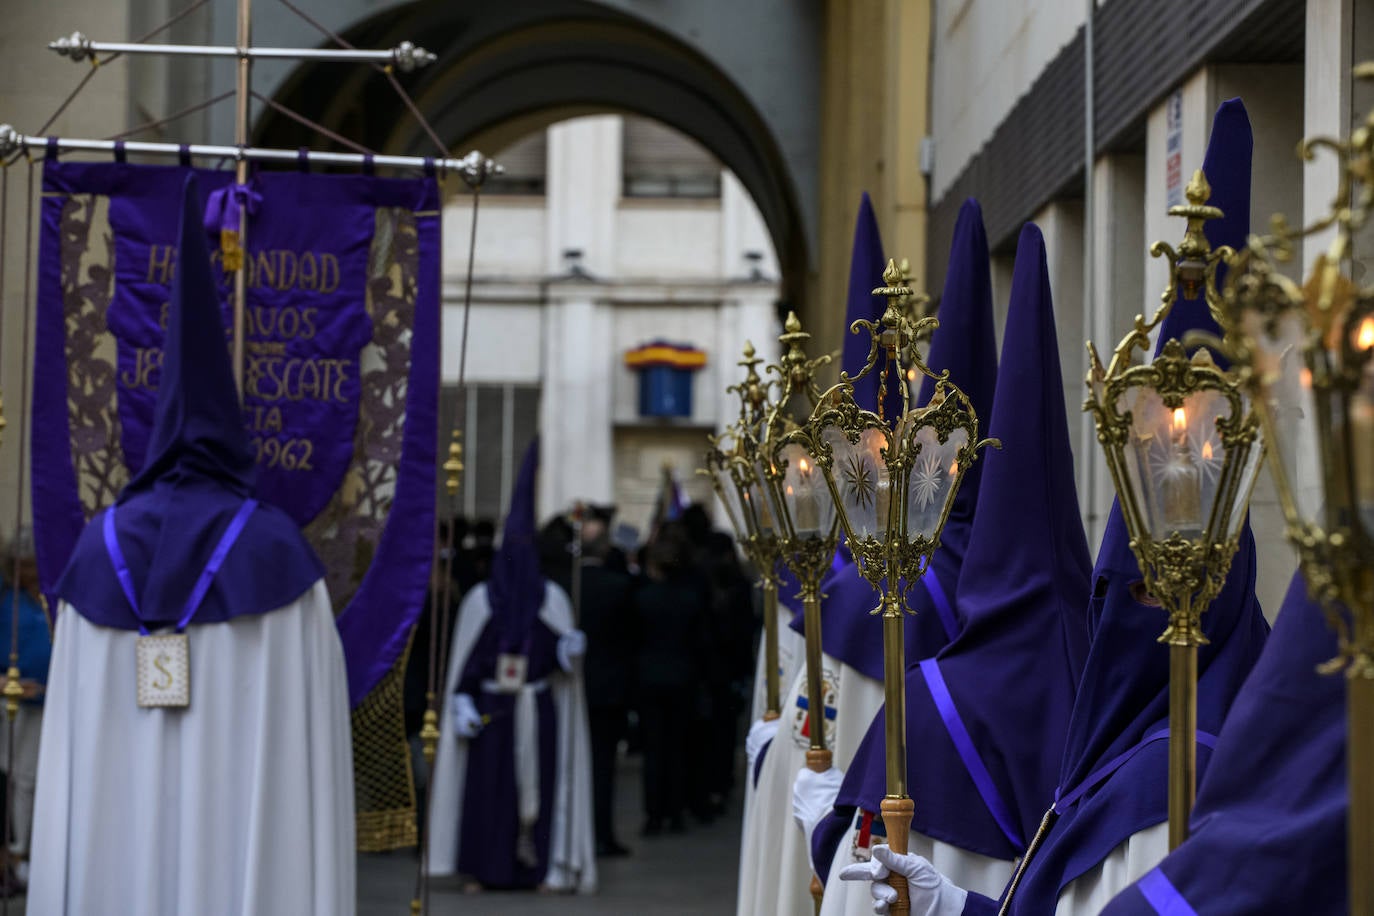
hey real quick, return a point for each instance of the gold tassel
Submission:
(229, 249)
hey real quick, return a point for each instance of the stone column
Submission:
(575, 407)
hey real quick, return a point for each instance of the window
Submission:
(525, 163)
(657, 161)
(501, 421)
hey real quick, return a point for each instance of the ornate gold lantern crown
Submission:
(1181, 441)
(891, 480)
(731, 465)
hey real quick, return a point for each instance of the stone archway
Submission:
(502, 72)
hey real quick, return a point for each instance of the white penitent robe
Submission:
(572, 853)
(969, 870)
(775, 869)
(1087, 894)
(240, 805)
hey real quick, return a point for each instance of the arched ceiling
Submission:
(505, 69)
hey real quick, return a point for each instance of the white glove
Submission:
(760, 733)
(813, 797)
(571, 645)
(931, 893)
(467, 721)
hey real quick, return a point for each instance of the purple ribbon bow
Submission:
(225, 206)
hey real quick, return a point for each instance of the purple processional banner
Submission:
(340, 372)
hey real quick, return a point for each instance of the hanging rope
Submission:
(385, 70)
(460, 416)
(162, 122)
(313, 125)
(97, 63)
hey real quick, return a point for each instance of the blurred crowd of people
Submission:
(670, 626)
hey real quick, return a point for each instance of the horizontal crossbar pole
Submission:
(474, 167)
(405, 56)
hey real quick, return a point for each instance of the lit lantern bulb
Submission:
(954, 468)
(1305, 379)
(911, 375)
(1207, 451)
(1180, 420)
(803, 466)
(1364, 337)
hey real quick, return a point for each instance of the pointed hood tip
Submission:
(1232, 108)
(965, 343)
(515, 589)
(1228, 166)
(1029, 415)
(197, 420)
(866, 263)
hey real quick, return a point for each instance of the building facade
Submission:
(1017, 137)
(606, 233)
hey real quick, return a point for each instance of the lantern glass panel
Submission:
(1248, 472)
(804, 489)
(862, 480)
(762, 500)
(730, 497)
(1174, 458)
(1288, 399)
(931, 485)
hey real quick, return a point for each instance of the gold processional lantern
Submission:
(800, 510)
(890, 483)
(1183, 446)
(1310, 351)
(731, 465)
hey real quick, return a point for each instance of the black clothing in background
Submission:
(607, 673)
(672, 636)
(608, 620)
(731, 673)
(665, 713)
(671, 632)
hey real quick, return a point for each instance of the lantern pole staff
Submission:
(807, 550)
(892, 523)
(735, 477)
(1180, 418)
